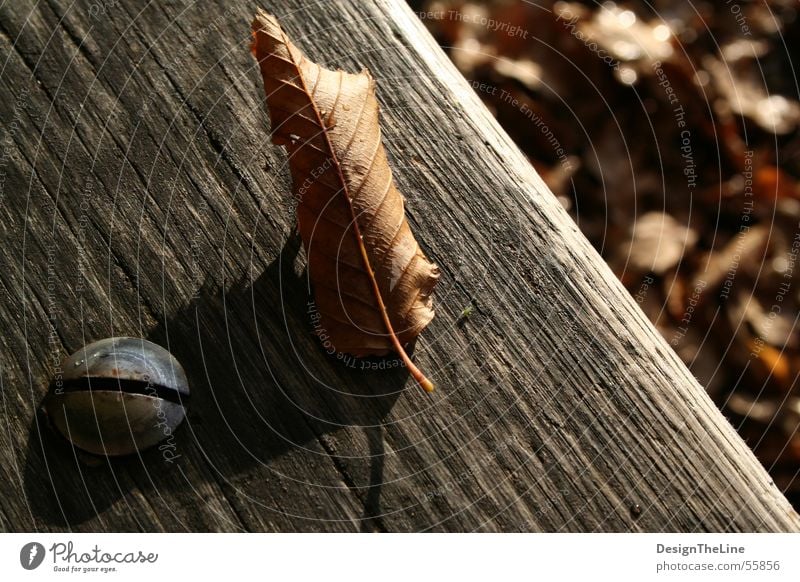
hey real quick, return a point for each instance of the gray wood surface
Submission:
(140, 195)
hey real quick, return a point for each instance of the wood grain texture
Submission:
(141, 196)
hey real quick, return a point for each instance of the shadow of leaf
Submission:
(261, 385)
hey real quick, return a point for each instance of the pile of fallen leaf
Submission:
(670, 132)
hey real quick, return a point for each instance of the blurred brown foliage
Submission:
(669, 130)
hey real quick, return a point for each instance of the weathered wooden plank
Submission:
(140, 182)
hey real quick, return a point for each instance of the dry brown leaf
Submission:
(372, 283)
(657, 243)
(743, 254)
(625, 37)
(741, 84)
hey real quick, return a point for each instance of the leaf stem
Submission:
(262, 21)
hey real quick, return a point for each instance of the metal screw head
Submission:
(117, 396)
